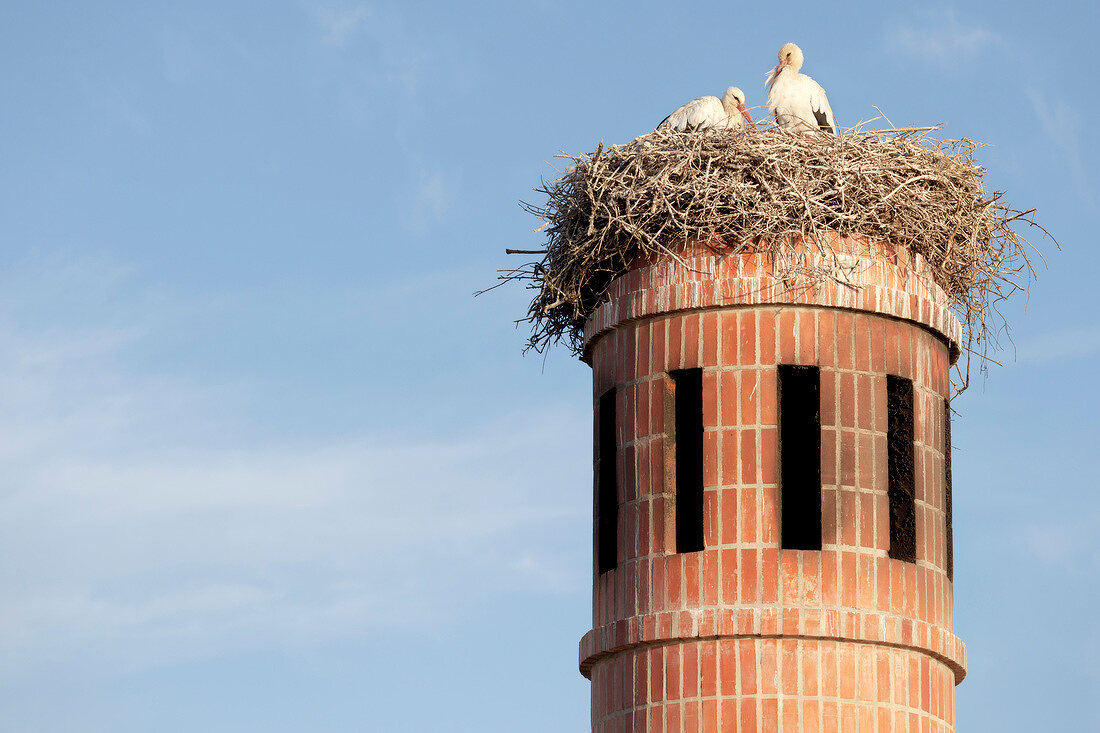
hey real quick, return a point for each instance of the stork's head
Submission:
(733, 99)
(789, 56)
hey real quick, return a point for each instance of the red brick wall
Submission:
(744, 635)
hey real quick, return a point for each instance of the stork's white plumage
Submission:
(707, 113)
(799, 102)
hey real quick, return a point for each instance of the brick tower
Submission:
(772, 535)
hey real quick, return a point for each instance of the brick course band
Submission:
(880, 279)
(657, 610)
(778, 622)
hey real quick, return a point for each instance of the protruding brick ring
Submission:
(877, 278)
(868, 627)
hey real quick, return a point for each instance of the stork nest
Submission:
(768, 189)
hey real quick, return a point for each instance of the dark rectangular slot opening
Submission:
(899, 448)
(800, 456)
(949, 560)
(607, 487)
(689, 458)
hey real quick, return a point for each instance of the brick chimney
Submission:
(772, 534)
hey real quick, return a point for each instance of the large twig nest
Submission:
(764, 188)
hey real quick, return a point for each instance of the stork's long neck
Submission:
(775, 74)
(787, 70)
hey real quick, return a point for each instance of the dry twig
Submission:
(743, 188)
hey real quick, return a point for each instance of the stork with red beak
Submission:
(706, 113)
(799, 102)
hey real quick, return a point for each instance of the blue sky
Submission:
(265, 464)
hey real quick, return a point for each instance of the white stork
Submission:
(707, 113)
(799, 102)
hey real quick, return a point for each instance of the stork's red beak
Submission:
(745, 112)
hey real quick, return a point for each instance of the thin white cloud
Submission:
(398, 53)
(433, 197)
(940, 37)
(340, 25)
(547, 573)
(1062, 124)
(287, 538)
(139, 521)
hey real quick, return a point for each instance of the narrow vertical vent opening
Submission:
(607, 486)
(949, 560)
(900, 488)
(688, 395)
(800, 456)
